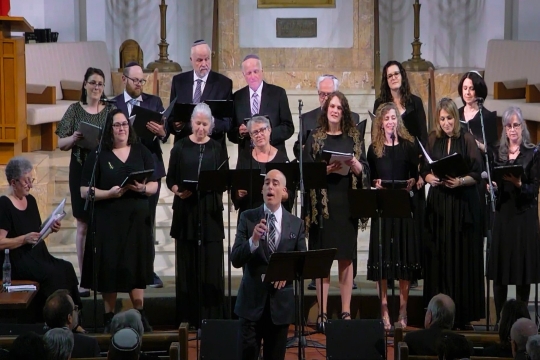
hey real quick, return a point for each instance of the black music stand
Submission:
(295, 266)
(378, 204)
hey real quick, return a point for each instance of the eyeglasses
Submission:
(259, 131)
(513, 126)
(120, 125)
(136, 81)
(323, 95)
(26, 181)
(75, 308)
(96, 84)
(396, 74)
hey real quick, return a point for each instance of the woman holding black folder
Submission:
(190, 155)
(123, 228)
(393, 160)
(515, 247)
(259, 130)
(454, 242)
(91, 110)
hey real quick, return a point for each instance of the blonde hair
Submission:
(450, 107)
(378, 136)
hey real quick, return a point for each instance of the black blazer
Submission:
(414, 118)
(218, 87)
(154, 103)
(275, 104)
(84, 346)
(309, 122)
(253, 293)
(425, 341)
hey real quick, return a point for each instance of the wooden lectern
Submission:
(12, 87)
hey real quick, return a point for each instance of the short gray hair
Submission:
(258, 120)
(443, 311)
(127, 319)
(334, 79)
(17, 167)
(521, 330)
(533, 347)
(203, 109)
(59, 343)
(202, 43)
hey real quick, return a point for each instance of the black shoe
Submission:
(321, 323)
(414, 284)
(107, 318)
(146, 324)
(354, 286)
(157, 282)
(312, 285)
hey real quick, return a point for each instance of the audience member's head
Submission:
(60, 310)
(511, 311)
(125, 345)
(520, 332)
(59, 343)
(441, 310)
(127, 319)
(29, 346)
(454, 346)
(533, 347)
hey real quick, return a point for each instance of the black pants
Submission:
(274, 337)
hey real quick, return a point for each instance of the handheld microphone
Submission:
(484, 175)
(393, 136)
(107, 101)
(479, 100)
(266, 217)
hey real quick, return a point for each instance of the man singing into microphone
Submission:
(266, 309)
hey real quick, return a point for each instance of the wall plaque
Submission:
(296, 27)
(295, 3)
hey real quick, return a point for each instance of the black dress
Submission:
(340, 230)
(246, 161)
(35, 264)
(184, 165)
(405, 249)
(66, 127)
(123, 226)
(515, 247)
(454, 243)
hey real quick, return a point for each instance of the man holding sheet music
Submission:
(266, 309)
(134, 80)
(199, 85)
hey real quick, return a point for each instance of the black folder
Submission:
(190, 185)
(91, 135)
(182, 112)
(144, 116)
(398, 184)
(490, 125)
(221, 108)
(139, 176)
(500, 171)
(450, 166)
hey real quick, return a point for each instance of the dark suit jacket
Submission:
(274, 104)
(253, 293)
(84, 346)
(218, 87)
(414, 118)
(309, 122)
(154, 103)
(425, 341)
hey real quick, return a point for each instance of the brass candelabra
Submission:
(163, 64)
(416, 63)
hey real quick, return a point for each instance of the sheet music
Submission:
(46, 227)
(424, 151)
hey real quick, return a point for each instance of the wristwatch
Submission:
(462, 181)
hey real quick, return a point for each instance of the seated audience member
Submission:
(511, 311)
(452, 346)
(439, 317)
(533, 347)
(61, 312)
(125, 345)
(519, 334)
(59, 343)
(130, 319)
(29, 346)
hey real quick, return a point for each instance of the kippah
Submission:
(251, 56)
(476, 72)
(199, 42)
(125, 340)
(132, 63)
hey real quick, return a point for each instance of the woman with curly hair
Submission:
(395, 159)
(336, 132)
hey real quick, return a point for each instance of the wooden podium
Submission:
(12, 87)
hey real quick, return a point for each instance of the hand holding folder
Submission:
(451, 166)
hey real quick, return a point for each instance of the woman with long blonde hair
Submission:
(393, 155)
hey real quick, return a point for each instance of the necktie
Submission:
(133, 102)
(198, 92)
(255, 104)
(272, 233)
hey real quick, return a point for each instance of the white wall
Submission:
(62, 16)
(454, 33)
(525, 20)
(32, 10)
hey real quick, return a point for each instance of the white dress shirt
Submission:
(127, 99)
(203, 84)
(279, 215)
